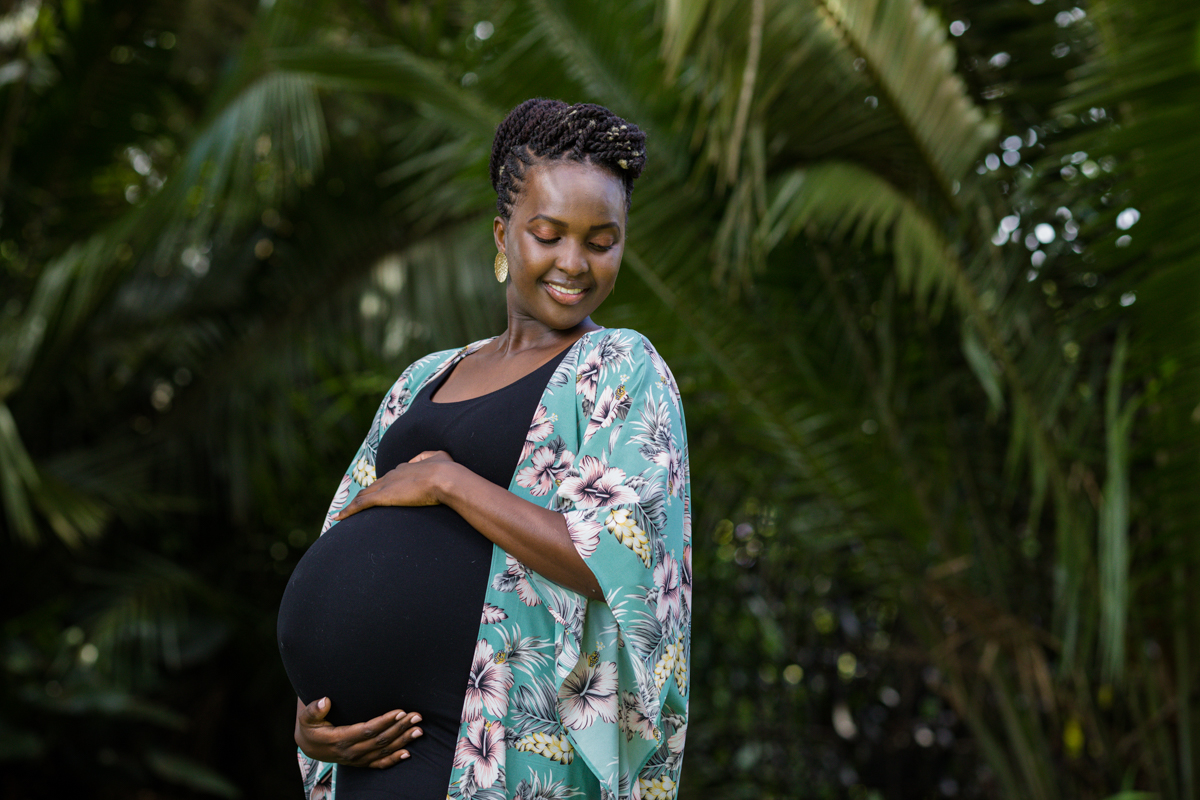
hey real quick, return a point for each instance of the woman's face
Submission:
(564, 242)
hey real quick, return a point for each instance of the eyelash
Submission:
(597, 247)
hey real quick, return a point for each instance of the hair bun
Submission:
(543, 129)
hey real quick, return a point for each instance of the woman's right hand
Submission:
(377, 743)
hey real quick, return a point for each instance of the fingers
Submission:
(394, 740)
(404, 730)
(313, 713)
(389, 761)
(399, 732)
(388, 731)
(440, 455)
(380, 742)
(361, 500)
(391, 724)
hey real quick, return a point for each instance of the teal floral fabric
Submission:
(569, 697)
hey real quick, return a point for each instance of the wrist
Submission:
(444, 481)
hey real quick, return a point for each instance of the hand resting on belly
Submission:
(378, 743)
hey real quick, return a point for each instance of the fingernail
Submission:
(403, 756)
(324, 701)
(416, 719)
(417, 733)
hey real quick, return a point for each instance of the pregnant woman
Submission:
(508, 557)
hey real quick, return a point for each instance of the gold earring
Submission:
(501, 267)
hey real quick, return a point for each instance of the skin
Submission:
(564, 241)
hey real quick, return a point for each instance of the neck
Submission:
(528, 334)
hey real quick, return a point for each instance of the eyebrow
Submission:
(562, 224)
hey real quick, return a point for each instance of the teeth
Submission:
(565, 290)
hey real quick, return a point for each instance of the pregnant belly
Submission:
(382, 612)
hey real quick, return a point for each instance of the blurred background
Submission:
(928, 274)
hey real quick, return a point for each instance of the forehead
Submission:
(564, 189)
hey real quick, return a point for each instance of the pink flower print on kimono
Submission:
(666, 582)
(487, 685)
(515, 578)
(340, 498)
(612, 406)
(634, 718)
(551, 463)
(594, 483)
(539, 429)
(587, 378)
(589, 693)
(611, 353)
(481, 753)
(317, 777)
(584, 528)
(395, 404)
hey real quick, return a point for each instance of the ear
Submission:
(499, 228)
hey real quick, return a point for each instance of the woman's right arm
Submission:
(377, 743)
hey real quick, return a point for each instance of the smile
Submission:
(563, 294)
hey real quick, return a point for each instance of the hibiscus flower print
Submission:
(397, 401)
(611, 406)
(482, 751)
(487, 685)
(666, 580)
(588, 376)
(515, 578)
(539, 476)
(634, 718)
(672, 459)
(585, 531)
(323, 789)
(339, 500)
(676, 740)
(589, 693)
(593, 484)
(539, 429)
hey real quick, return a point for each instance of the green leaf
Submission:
(903, 45)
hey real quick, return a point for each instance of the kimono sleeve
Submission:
(625, 500)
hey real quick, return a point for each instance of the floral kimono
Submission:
(569, 697)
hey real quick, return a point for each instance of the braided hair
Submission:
(548, 130)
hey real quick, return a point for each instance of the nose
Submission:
(572, 259)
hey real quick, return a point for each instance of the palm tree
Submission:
(940, 413)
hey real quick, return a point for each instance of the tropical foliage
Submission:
(927, 273)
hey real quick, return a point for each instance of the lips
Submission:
(566, 295)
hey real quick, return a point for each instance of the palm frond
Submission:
(903, 45)
(392, 70)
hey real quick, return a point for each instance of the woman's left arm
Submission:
(535, 536)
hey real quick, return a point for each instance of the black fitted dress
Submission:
(383, 610)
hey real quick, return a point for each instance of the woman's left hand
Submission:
(409, 484)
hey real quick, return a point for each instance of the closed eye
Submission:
(552, 240)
